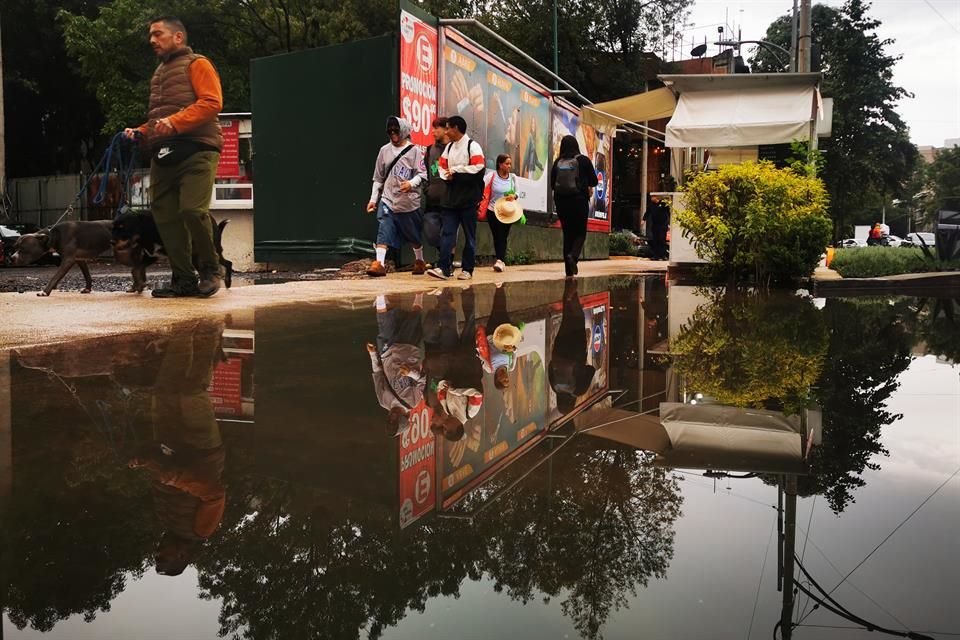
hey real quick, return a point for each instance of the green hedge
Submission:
(875, 262)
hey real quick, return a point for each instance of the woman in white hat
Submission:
(500, 207)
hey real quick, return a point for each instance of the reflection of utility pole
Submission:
(789, 545)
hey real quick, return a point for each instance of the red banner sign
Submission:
(418, 466)
(418, 76)
(229, 166)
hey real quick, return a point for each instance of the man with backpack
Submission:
(462, 167)
(436, 190)
(395, 197)
(573, 178)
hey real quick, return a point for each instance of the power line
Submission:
(763, 568)
(937, 11)
(890, 535)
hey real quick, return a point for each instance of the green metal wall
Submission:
(319, 117)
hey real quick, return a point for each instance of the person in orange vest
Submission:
(876, 235)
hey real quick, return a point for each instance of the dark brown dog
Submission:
(137, 243)
(77, 243)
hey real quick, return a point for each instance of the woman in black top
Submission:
(572, 208)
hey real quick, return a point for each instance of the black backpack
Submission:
(567, 180)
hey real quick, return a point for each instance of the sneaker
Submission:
(419, 268)
(464, 275)
(437, 272)
(499, 266)
(376, 269)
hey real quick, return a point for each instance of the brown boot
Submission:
(419, 267)
(376, 269)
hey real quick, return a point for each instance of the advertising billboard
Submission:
(418, 76)
(505, 112)
(597, 144)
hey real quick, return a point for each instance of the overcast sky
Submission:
(927, 35)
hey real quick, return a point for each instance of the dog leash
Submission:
(124, 172)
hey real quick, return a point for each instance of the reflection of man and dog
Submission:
(493, 384)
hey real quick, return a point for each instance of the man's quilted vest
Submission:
(171, 91)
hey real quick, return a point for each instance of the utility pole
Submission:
(793, 39)
(556, 52)
(804, 38)
(3, 142)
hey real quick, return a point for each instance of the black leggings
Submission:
(500, 232)
(573, 219)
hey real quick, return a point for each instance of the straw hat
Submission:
(506, 336)
(507, 211)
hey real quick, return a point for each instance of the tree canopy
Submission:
(869, 156)
(79, 70)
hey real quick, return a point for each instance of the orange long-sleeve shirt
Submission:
(206, 85)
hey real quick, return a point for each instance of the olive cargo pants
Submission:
(180, 199)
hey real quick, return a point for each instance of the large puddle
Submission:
(613, 458)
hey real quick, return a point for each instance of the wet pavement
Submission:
(607, 457)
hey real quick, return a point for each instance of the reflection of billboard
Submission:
(232, 386)
(509, 422)
(418, 467)
(596, 334)
(597, 144)
(505, 114)
(418, 76)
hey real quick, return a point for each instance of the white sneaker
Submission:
(464, 275)
(499, 266)
(437, 272)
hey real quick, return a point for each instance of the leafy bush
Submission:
(875, 262)
(621, 245)
(754, 220)
(520, 257)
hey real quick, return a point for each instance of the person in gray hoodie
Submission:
(395, 197)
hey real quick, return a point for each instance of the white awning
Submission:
(744, 117)
(651, 105)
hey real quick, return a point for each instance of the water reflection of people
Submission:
(454, 373)
(186, 460)
(570, 375)
(397, 359)
(497, 342)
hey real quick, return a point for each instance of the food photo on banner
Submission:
(595, 143)
(506, 113)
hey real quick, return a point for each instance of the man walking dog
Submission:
(185, 141)
(395, 196)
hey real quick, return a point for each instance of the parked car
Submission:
(918, 238)
(850, 243)
(896, 241)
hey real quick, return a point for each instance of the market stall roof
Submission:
(650, 105)
(738, 110)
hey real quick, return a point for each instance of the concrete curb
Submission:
(29, 320)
